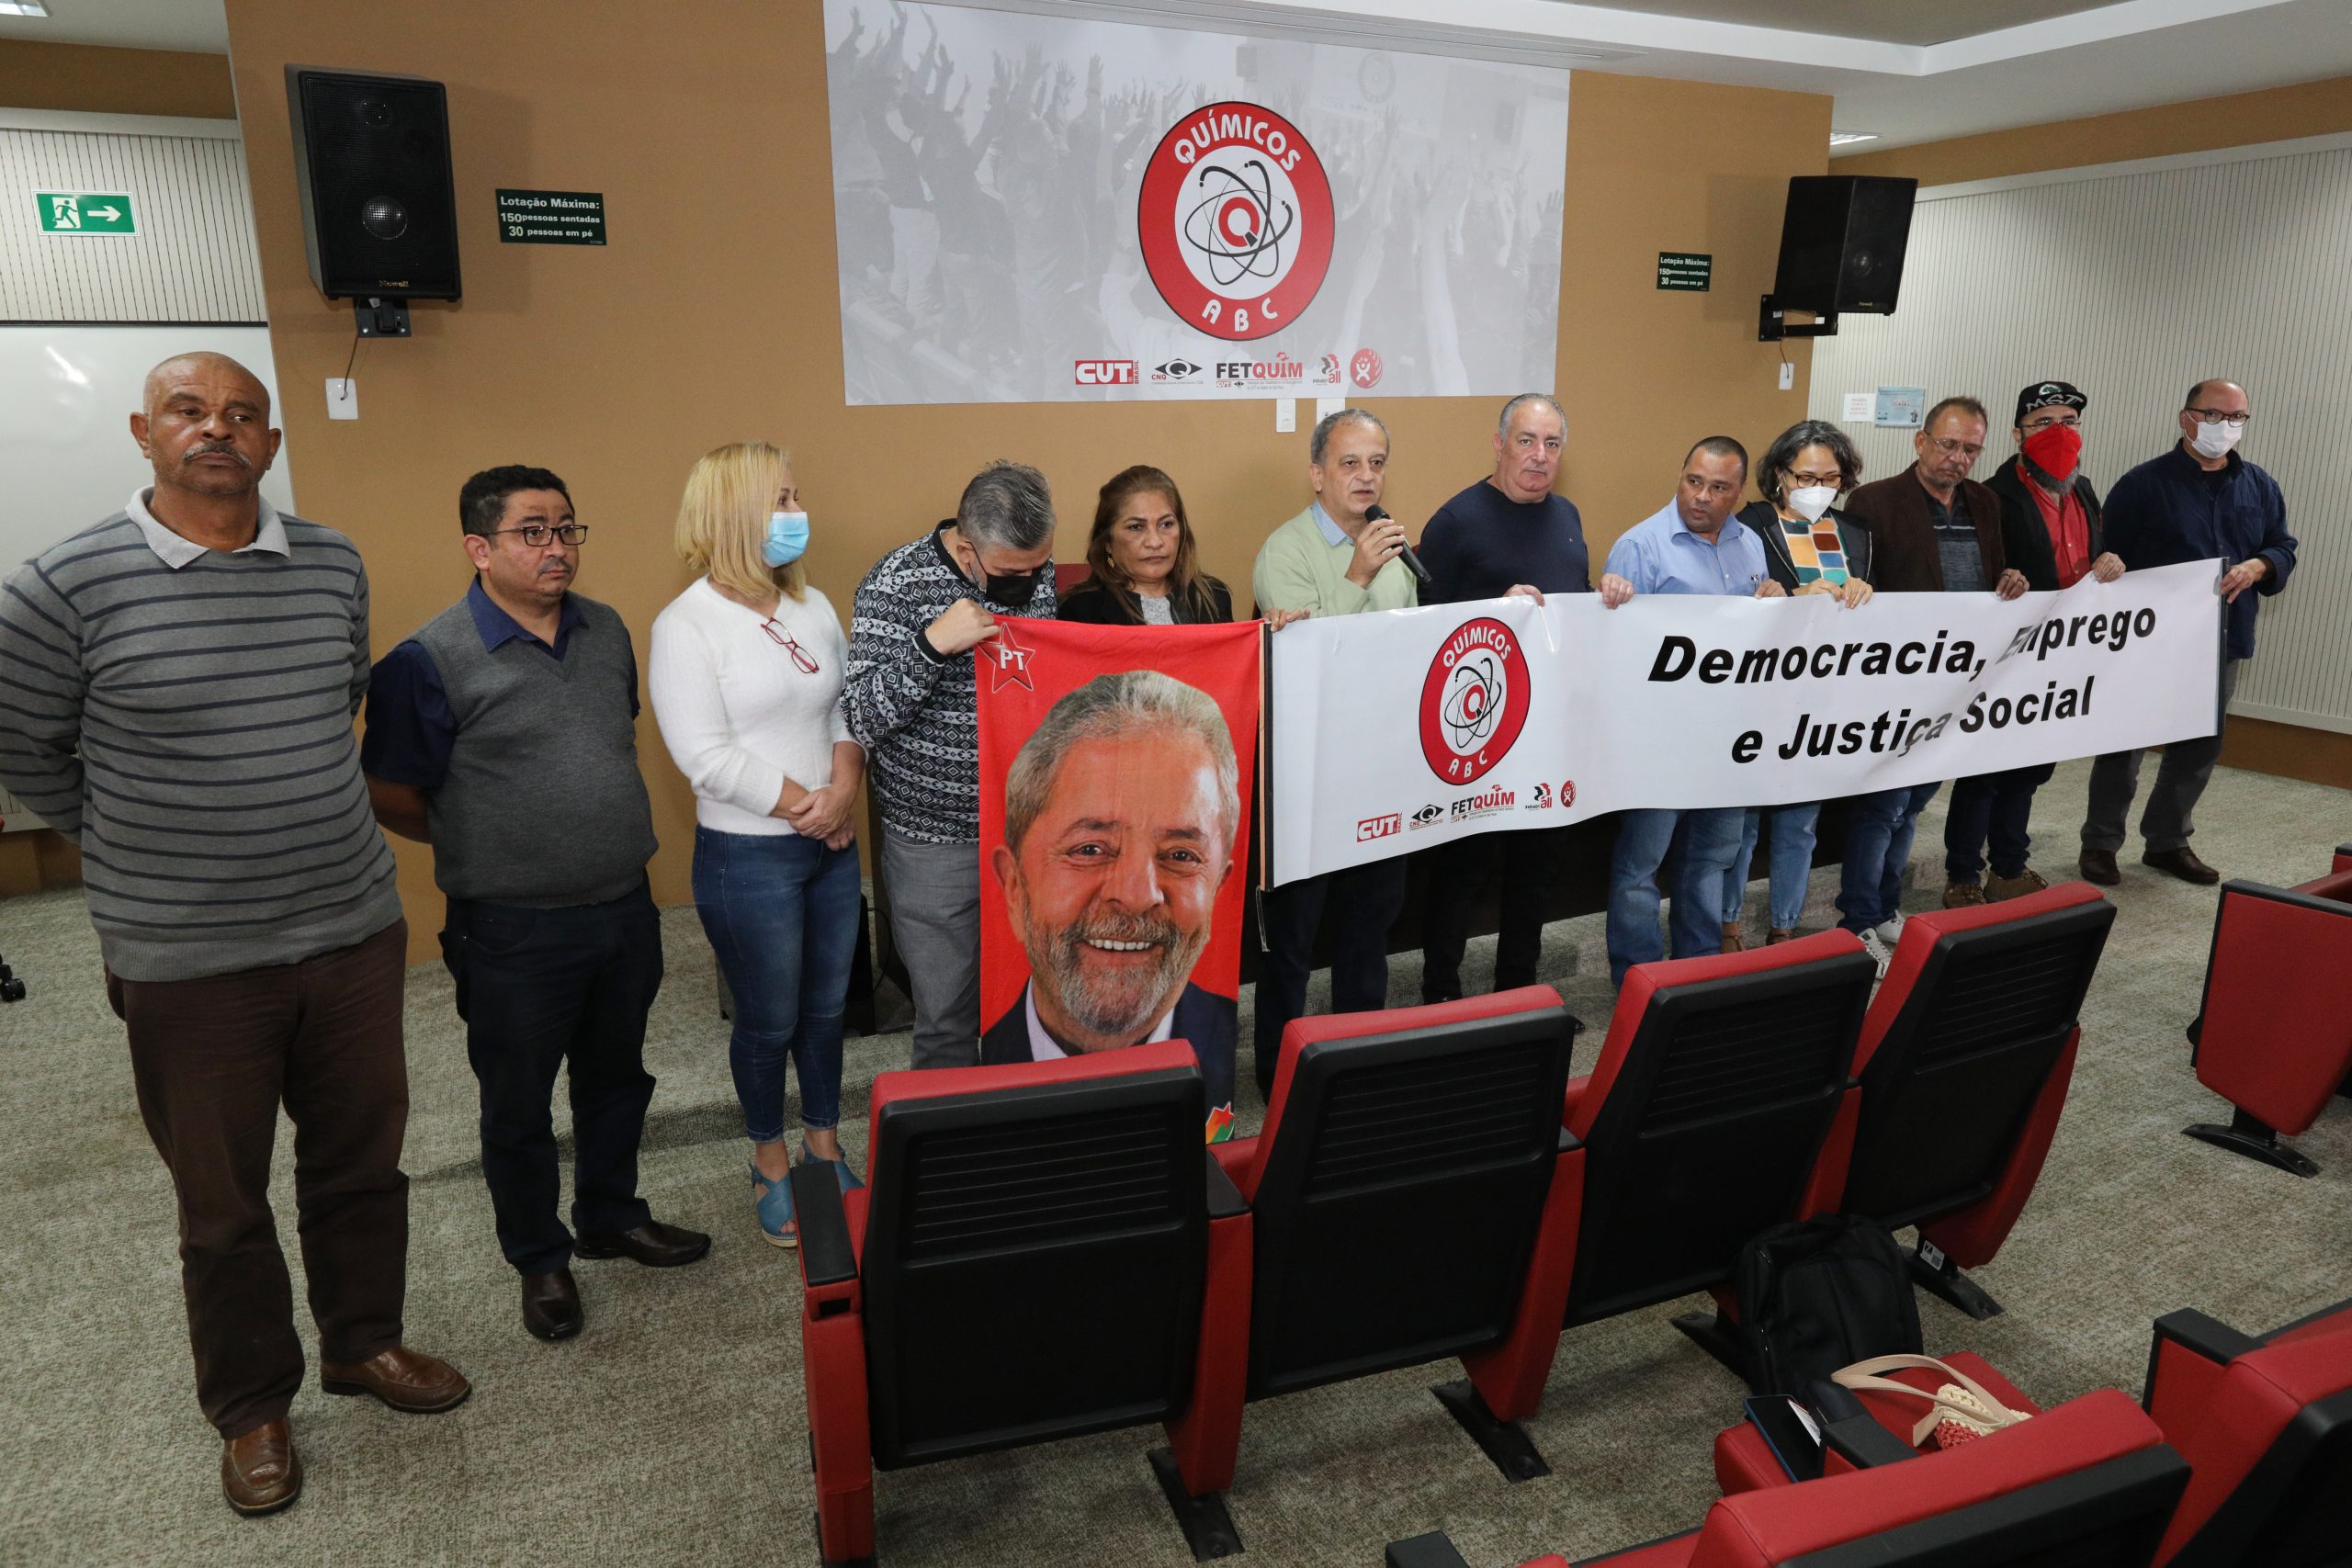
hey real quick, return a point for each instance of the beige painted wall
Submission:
(115, 81)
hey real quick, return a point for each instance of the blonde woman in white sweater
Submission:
(746, 678)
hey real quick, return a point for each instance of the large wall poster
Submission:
(1034, 209)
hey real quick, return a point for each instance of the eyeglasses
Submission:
(2221, 416)
(536, 534)
(1971, 450)
(800, 655)
(1832, 479)
(2030, 425)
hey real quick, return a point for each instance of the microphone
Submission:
(1377, 513)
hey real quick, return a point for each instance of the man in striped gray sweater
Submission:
(911, 693)
(176, 692)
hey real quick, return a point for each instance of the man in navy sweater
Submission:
(1505, 534)
(2198, 501)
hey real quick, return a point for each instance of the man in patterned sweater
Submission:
(910, 696)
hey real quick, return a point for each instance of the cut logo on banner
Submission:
(1117, 771)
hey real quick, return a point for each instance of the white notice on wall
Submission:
(1860, 406)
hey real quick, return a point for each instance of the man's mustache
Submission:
(215, 448)
(1158, 929)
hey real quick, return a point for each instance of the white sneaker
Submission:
(1881, 954)
(1889, 929)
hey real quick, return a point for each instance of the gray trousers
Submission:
(934, 893)
(2180, 780)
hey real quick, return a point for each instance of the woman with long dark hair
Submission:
(1146, 570)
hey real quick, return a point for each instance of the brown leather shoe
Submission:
(1778, 935)
(1734, 937)
(1963, 894)
(552, 1304)
(409, 1380)
(260, 1471)
(2001, 889)
(2182, 862)
(653, 1244)
(2098, 866)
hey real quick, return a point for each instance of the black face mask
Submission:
(1011, 587)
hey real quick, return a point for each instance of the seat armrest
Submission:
(1861, 1442)
(1434, 1550)
(1224, 1198)
(826, 1256)
(2204, 1337)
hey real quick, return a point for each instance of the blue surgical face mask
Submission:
(787, 537)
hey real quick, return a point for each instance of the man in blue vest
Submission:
(503, 734)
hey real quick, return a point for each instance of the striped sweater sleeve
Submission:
(42, 688)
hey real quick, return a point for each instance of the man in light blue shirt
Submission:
(1693, 544)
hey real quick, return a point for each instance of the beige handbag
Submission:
(1962, 1409)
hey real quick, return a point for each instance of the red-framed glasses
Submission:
(801, 657)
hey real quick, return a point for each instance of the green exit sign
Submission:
(85, 213)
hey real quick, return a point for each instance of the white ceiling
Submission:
(1908, 70)
(197, 26)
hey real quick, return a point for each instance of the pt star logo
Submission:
(1011, 659)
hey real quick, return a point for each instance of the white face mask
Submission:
(1811, 501)
(2213, 441)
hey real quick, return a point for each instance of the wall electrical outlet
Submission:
(1285, 415)
(1788, 377)
(343, 397)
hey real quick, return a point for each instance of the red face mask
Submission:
(2055, 449)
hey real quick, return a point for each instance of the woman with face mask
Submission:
(1810, 547)
(746, 679)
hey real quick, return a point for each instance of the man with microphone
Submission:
(1342, 556)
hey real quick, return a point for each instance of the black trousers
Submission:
(541, 989)
(1363, 902)
(1523, 866)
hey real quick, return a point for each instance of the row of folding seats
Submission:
(2273, 1037)
(2239, 1457)
(1732, 1093)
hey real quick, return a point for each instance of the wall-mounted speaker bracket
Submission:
(1772, 324)
(381, 318)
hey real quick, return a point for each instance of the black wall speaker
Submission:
(1841, 243)
(371, 157)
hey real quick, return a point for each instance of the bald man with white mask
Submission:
(185, 676)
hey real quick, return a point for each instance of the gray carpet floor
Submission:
(672, 1430)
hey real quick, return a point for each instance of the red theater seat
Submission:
(2264, 1424)
(2273, 1037)
(1006, 1204)
(2090, 1485)
(1411, 1167)
(1961, 1074)
(1701, 1124)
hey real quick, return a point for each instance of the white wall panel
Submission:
(192, 260)
(2133, 285)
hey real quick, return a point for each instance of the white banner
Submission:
(1040, 209)
(1396, 730)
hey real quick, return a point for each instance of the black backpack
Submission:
(1819, 1295)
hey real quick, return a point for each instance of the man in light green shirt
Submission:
(1331, 561)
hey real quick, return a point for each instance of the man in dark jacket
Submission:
(2198, 501)
(2050, 531)
(1935, 531)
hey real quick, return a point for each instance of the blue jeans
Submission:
(1792, 863)
(781, 911)
(1704, 843)
(1878, 846)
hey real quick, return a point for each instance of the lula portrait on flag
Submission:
(1115, 773)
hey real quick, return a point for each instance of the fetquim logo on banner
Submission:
(1235, 220)
(1474, 702)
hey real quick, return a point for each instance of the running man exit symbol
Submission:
(85, 213)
